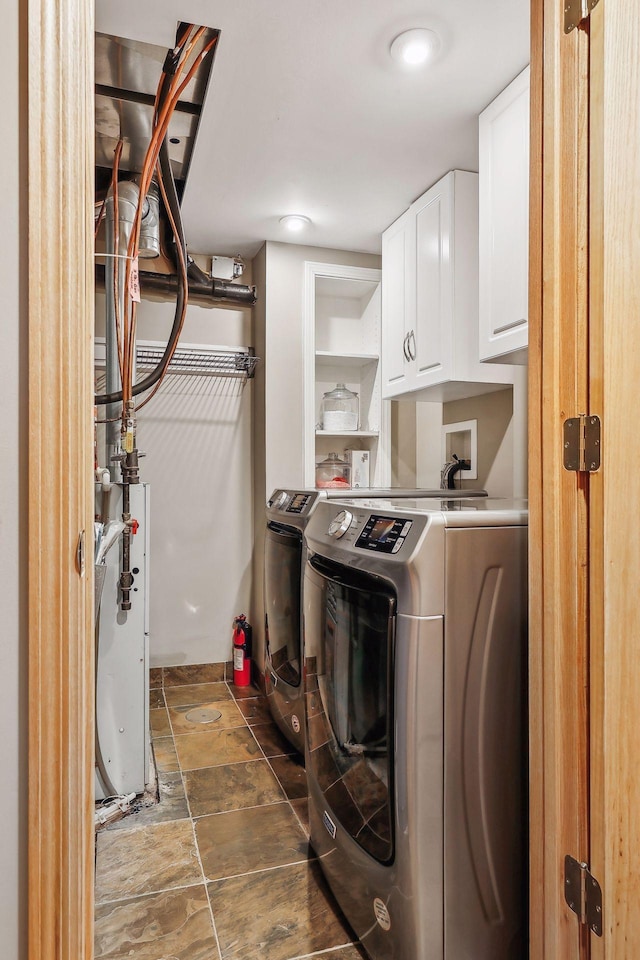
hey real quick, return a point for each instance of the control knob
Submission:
(280, 500)
(340, 524)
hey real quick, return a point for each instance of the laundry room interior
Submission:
(311, 246)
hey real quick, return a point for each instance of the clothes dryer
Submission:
(415, 656)
(287, 514)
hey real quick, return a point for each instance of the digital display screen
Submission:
(298, 503)
(383, 534)
(381, 529)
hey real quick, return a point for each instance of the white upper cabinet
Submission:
(504, 224)
(398, 301)
(430, 298)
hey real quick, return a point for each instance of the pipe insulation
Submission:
(205, 290)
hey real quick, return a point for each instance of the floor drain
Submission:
(203, 715)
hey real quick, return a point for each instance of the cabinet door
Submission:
(504, 223)
(398, 299)
(430, 338)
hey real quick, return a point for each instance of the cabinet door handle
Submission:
(412, 352)
(405, 347)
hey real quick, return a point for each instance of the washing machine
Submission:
(415, 686)
(288, 512)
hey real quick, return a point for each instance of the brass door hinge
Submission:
(581, 444)
(576, 12)
(583, 894)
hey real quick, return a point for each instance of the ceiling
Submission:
(307, 113)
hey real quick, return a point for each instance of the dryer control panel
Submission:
(383, 534)
(299, 502)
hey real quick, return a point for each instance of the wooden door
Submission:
(585, 553)
(615, 491)
(59, 106)
(558, 500)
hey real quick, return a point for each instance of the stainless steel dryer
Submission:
(288, 512)
(415, 656)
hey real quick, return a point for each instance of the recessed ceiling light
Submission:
(414, 48)
(295, 222)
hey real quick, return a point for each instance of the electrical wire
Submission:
(167, 98)
(100, 218)
(173, 212)
(169, 90)
(130, 309)
(116, 276)
(166, 109)
(100, 765)
(181, 249)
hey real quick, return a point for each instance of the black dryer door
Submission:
(350, 623)
(282, 585)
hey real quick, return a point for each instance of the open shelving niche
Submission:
(342, 336)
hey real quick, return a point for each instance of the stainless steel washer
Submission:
(415, 656)
(288, 512)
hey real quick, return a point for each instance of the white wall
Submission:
(284, 385)
(502, 438)
(494, 413)
(13, 503)
(197, 438)
(278, 407)
(428, 439)
(403, 444)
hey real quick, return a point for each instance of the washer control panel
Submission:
(383, 534)
(299, 502)
(340, 524)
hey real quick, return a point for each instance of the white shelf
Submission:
(326, 358)
(342, 346)
(347, 433)
(344, 287)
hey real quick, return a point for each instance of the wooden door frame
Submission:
(61, 717)
(61, 306)
(558, 500)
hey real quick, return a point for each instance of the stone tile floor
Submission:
(220, 868)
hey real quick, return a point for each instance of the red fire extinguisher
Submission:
(241, 651)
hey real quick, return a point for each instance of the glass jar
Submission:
(339, 410)
(333, 472)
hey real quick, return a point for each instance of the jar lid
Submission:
(340, 392)
(333, 460)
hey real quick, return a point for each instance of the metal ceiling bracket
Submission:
(575, 12)
(581, 444)
(583, 894)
